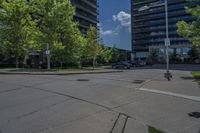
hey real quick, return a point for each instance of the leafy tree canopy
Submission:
(191, 31)
(55, 21)
(105, 54)
(18, 31)
(92, 47)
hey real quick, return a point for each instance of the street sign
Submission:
(47, 52)
(167, 42)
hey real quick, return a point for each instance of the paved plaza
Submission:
(121, 102)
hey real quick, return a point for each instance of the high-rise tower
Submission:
(86, 13)
(149, 30)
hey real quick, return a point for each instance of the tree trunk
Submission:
(24, 63)
(94, 63)
(81, 63)
(61, 64)
(16, 57)
(17, 61)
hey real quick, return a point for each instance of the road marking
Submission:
(194, 98)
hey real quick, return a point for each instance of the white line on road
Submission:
(194, 98)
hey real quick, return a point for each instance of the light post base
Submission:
(168, 75)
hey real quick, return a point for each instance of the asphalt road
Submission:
(126, 102)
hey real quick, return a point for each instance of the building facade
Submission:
(149, 28)
(86, 13)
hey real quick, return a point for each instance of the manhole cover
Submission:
(138, 81)
(194, 114)
(82, 80)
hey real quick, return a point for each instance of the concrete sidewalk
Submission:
(181, 83)
(166, 104)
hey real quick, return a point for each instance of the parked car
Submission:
(141, 63)
(134, 64)
(122, 65)
(138, 63)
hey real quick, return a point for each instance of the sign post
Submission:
(48, 57)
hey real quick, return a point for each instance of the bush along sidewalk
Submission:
(154, 130)
(196, 76)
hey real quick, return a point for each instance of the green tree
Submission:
(174, 57)
(74, 43)
(92, 47)
(18, 32)
(115, 55)
(194, 54)
(153, 56)
(123, 56)
(105, 54)
(55, 21)
(81, 52)
(58, 53)
(191, 31)
(1, 53)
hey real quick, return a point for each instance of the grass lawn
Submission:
(196, 76)
(154, 130)
(70, 69)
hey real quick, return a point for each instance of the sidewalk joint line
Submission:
(125, 124)
(115, 123)
(193, 98)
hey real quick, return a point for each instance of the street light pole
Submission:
(167, 34)
(167, 41)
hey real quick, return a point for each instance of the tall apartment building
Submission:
(86, 13)
(149, 29)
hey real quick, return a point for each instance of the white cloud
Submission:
(114, 18)
(124, 19)
(110, 32)
(107, 32)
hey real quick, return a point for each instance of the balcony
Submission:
(151, 29)
(160, 15)
(92, 3)
(174, 6)
(172, 20)
(86, 18)
(85, 7)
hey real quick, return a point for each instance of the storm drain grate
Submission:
(194, 114)
(82, 80)
(138, 81)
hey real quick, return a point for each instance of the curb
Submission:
(36, 73)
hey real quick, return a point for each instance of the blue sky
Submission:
(115, 20)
